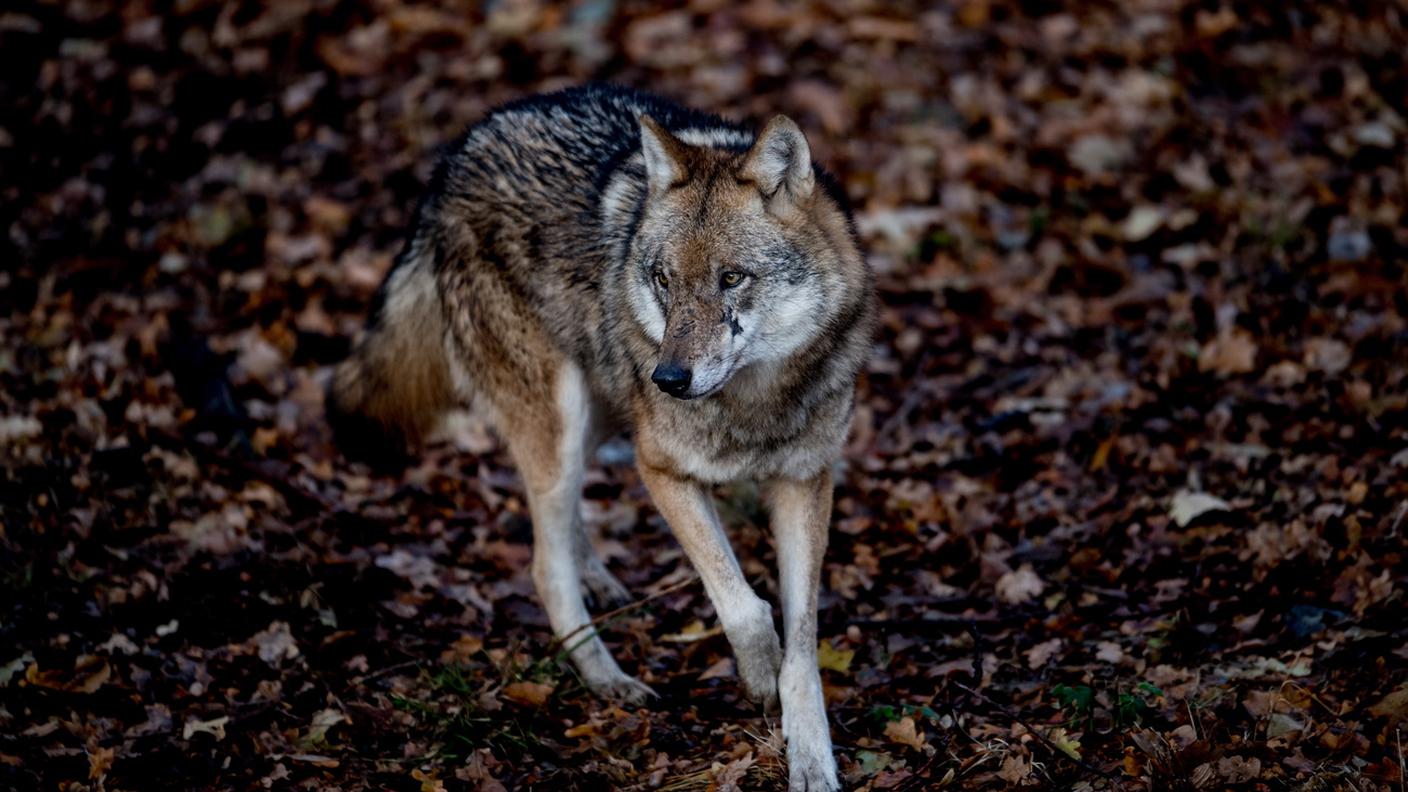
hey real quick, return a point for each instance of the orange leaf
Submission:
(531, 694)
(904, 732)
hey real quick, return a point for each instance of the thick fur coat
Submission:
(596, 260)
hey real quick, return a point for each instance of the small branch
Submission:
(381, 672)
(612, 615)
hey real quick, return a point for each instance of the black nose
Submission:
(671, 378)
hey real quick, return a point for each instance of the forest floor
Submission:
(1124, 507)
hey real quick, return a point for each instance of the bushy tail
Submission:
(394, 388)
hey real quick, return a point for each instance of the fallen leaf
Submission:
(214, 727)
(729, 777)
(464, 648)
(8, 671)
(532, 694)
(1019, 586)
(723, 668)
(1236, 770)
(428, 781)
(829, 657)
(1231, 352)
(88, 676)
(1328, 355)
(99, 762)
(1188, 506)
(1394, 706)
(322, 722)
(1142, 222)
(1039, 655)
(692, 632)
(275, 644)
(1281, 724)
(1109, 652)
(1015, 769)
(905, 732)
(1067, 744)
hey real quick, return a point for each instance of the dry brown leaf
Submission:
(1109, 652)
(1019, 586)
(215, 727)
(833, 659)
(1236, 770)
(694, 631)
(464, 647)
(275, 643)
(530, 694)
(1231, 352)
(429, 782)
(1188, 506)
(722, 668)
(730, 777)
(99, 762)
(1015, 769)
(905, 732)
(1039, 655)
(1394, 706)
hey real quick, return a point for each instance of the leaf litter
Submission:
(1136, 420)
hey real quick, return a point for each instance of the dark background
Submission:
(1128, 252)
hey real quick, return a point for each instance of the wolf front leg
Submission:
(801, 517)
(747, 620)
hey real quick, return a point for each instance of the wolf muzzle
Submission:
(672, 378)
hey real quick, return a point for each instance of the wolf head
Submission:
(736, 256)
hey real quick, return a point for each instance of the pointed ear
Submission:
(780, 162)
(664, 156)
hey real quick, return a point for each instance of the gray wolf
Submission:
(599, 259)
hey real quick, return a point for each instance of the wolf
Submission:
(597, 260)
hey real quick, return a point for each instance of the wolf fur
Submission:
(599, 259)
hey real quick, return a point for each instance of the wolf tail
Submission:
(395, 386)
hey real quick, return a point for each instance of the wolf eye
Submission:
(662, 280)
(730, 279)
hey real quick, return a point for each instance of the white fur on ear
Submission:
(780, 161)
(663, 154)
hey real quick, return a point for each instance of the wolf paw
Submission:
(758, 665)
(811, 767)
(602, 589)
(621, 687)
(811, 775)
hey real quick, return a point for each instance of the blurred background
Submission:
(1126, 496)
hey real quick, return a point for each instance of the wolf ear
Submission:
(664, 156)
(780, 162)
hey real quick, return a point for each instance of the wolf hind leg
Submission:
(600, 587)
(549, 450)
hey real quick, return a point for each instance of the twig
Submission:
(977, 672)
(1402, 768)
(613, 614)
(929, 623)
(380, 672)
